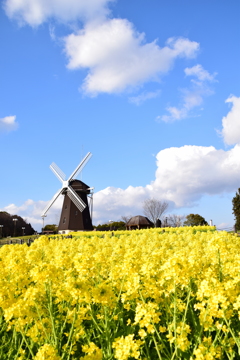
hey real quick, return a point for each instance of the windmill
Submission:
(75, 213)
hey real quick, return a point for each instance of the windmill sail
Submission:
(58, 172)
(76, 199)
(52, 201)
(80, 166)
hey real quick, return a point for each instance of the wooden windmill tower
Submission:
(76, 212)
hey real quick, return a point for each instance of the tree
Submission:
(194, 220)
(126, 218)
(113, 226)
(236, 209)
(174, 220)
(50, 227)
(153, 209)
(11, 228)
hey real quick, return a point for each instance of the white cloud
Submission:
(200, 73)
(174, 114)
(224, 226)
(8, 123)
(183, 176)
(52, 32)
(139, 99)
(32, 211)
(187, 173)
(192, 97)
(231, 122)
(35, 12)
(118, 57)
(112, 203)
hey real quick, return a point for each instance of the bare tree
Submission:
(174, 220)
(153, 209)
(126, 218)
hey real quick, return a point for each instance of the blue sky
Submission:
(151, 88)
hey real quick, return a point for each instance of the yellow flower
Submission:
(142, 333)
(47, 352)
(92, 351)
(162, 329)
(126, 347)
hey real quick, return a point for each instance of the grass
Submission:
(15, 240)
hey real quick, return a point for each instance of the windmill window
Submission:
(76, 212)
(64, 220)
(65, 206)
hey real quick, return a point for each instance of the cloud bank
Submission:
(231, 122)
(8, 123)
(118, 57)
(183, 176)
(31, 211)
(36, 12)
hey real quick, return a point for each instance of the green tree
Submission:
(236, 209)
(52, 227)
(114, 225)
(194, 220)
(11, 228)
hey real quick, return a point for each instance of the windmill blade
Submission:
(51, 202)
(80, 166)
(58, 172)
(76, 199)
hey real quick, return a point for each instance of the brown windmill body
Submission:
(76, 212)
(72, 219)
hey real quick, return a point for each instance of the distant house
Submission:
(139, 222)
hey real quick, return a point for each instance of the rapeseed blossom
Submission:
(47, 352)
(144, 294)
(126, 347)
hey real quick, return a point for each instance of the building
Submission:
(139, 222)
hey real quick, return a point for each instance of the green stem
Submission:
(96, 324)
(70, 335)
(107, 332)
(40, 317)
(50, 310)
(174, 321)
(69, 352)
(156, 346)
(233, 335)
(148, 355)
(63, 326)
(24, 337)
(16, 356)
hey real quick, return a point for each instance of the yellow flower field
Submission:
(144, 294)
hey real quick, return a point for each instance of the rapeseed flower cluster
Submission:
(144, 294)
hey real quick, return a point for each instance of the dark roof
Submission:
(139, 220)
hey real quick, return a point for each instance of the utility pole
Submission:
(15, 221)
(43, 216)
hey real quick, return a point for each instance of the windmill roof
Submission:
(139, 220)
(78, 184)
